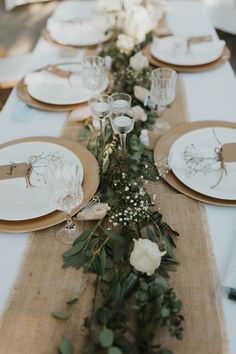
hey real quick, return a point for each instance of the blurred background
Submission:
(21, 26)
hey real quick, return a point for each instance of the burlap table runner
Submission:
(42, 286)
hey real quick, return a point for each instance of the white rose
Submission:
(138, 61)
(125, 44)
(146, 256)
(138, 23)
(144, 138)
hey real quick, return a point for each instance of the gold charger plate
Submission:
(23, 94)
(188, 69)
(49, 39)
(162, 149)
(90, 185)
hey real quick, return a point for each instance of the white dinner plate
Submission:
(75, 23)
(203, 182)
(173, 50)
(19, 202)
(48, 88)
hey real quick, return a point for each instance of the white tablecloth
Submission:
(211, 95)
(222, 14)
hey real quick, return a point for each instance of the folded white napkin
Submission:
(73, 9)
(42, 77)
(176, 159)
(79, 31)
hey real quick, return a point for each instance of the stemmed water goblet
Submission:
(162, 93)
(100, 106)
(63, 179)
(122, 121)
(120, 101)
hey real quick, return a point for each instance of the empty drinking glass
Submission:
(100, 107)
(162, 94)
(63, 179)
(94, 74)
(162, 88)
(122, 122)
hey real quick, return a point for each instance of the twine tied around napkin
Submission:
(196, 161)
(226, 153)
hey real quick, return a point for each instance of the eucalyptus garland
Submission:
(134, 304)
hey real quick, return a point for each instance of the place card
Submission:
(55, 70)
(229, 152)
(199, 39)
(15, 170)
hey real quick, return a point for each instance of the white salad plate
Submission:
(78, 23)
(205, 182)
(173, 50)
(19, 202)
(49, 88)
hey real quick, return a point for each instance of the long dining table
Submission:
(211, 95)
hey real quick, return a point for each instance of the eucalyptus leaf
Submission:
(77, 261)
(87, 233)
(165, 312)
(85, 132)
(130, 282)
(75, 249)
(161, 281)
(65, 346)
(103, 260)
(73, 301)
(114, 350)
(115, 236)
(106, 337)
(150, 234)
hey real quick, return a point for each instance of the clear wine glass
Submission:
(100, 107)
(120, 101)
(63, 179)
(162, 93)
(94, 74)
(122, 122)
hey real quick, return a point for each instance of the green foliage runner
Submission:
(135, 305)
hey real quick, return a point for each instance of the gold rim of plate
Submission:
(49, 39)
(162, 149)
(189, 69)
(90, 185)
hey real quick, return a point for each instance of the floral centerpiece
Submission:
(131, 249)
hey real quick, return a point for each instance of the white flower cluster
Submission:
(134, 206)
(138, 61)
(133, 20)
